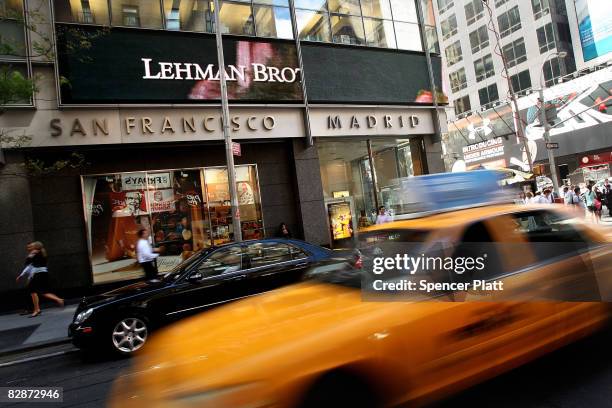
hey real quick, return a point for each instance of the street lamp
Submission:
(544, 122)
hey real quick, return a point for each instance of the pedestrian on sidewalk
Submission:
(37, 275)
(146, 254)
(283, 231)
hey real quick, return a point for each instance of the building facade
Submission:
(130, 90)
(590, 24)
(530, 32)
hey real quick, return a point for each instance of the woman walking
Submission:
(36, 273)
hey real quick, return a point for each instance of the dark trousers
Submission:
(150, 269)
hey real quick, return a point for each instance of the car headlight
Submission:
(81, 317)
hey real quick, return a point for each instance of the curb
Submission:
(34, 346)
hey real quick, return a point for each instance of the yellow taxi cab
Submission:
(329, 342)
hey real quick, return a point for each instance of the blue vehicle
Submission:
(121, 320)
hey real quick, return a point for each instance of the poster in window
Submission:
(340, 220)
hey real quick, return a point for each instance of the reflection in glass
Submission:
(236, 18)
(428, 12)
(379, 33)
(345, 7)
(83, 11)
(347, 30)
(408, 36)
(404, 10)
(136, 13)
(432, 39)
(187, 15)
(273, 22)
(11, 9)
(311, 4)
(18, 74)
(12, 38)
(313, 26)
(284, 3)
(376, 8)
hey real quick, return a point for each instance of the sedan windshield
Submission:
(178, 270)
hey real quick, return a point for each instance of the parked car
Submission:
(123, 319)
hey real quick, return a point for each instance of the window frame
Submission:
(481, 44)
(484, 60)
(458, 55)
(509, 14)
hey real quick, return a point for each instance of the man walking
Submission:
(146, 254)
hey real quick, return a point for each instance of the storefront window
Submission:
(408, 36)
(12, 30)
(83, 11)
(187, 15)
(136, 13)
(355, 181)
(185, 210)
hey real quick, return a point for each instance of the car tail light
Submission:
(358, 262)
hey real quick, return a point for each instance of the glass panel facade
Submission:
(12, 38)
(313, 26)
(376, 23)
(236, 18)
(136, 13)
(81, 11)
(379, 33)
(408, 36)
(376, 8)
(347, 30)
(404, 10)
(185, 210)
(273, 22)
(344, 7)
(191, 15)
(364, 182)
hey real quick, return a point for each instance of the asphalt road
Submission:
(578, 376)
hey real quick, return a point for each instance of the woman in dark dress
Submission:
(283, 231)
(38, 276)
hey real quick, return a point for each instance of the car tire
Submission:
(341, 390)
(129, 334)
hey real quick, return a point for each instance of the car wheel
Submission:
(341, 390)
(129, 335)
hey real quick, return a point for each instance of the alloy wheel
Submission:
(129, 335)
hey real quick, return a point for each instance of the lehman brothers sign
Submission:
(173, 67)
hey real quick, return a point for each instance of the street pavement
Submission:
(19, 332)
(577, 376)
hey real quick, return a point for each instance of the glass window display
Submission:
(186, 210)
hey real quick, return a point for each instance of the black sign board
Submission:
(146, 66)
(552, 145)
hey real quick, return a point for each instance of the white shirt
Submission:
(383, 218)
(568, 197)
(144, 251)
(542, 199)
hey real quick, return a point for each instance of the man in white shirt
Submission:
(545, 197)
(146, 254)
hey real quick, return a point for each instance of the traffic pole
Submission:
(551, 155)
(229, 155)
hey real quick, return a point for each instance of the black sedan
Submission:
(122, 319)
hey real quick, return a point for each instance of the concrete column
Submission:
(309, 189)
(16, 222)
(433, 155)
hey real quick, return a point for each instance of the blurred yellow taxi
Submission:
(324, 343)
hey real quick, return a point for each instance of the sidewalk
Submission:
(20, 332)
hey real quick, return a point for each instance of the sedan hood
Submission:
(123, 292)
